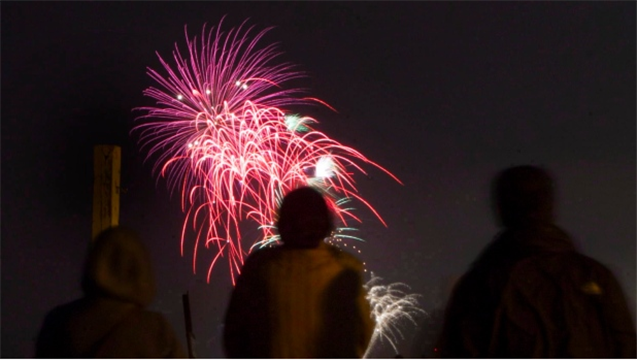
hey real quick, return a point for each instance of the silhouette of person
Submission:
(302, 299)
(110, 320)
(530, 293)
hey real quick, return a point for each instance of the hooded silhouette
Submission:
(302, 299)
(110, 320)
(530, 293)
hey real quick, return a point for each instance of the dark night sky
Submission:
(441, 94)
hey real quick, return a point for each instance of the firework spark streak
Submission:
(391, 308)
(223, 138)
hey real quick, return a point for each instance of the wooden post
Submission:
(189, 334)
(106, 171)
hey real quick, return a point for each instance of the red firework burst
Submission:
(223, 139)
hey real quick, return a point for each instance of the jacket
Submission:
(531, 294)
(299, 303)
(111, 320)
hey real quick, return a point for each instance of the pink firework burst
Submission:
(223, 139)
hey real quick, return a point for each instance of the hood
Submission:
(118, 266)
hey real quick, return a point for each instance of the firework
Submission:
(222, 136)
(391, 308)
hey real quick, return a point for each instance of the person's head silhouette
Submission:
(304, 219)
(524, 196)
(118, 265)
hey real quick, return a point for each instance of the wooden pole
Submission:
(189, 335)
(106, 171)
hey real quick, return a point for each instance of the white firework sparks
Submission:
(391, 306)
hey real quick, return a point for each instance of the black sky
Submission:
(442, 94)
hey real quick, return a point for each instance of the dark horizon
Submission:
(441, 94)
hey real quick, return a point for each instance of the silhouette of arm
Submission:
(49, 342)
(465, 332)
(245, 325)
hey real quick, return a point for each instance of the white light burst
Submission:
(324, 167)
(391, 306)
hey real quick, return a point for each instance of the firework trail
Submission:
(223, 138)
(391, 308)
